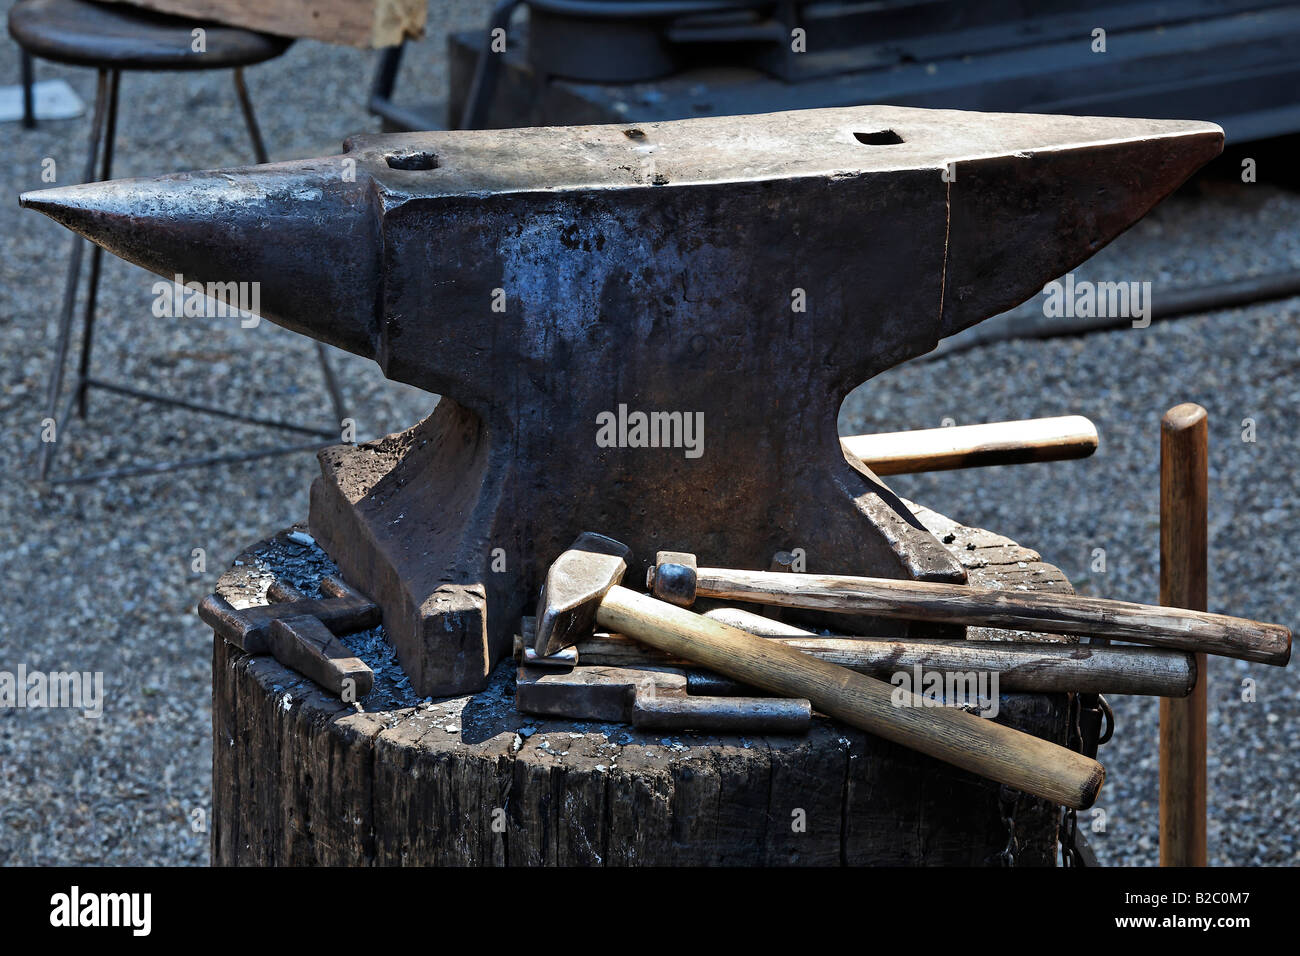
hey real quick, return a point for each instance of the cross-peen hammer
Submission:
(676, 578)
(582, 590)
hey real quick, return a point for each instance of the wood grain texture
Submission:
(951, 735)
(1184, 556)
(1034, 668)
(974, 446)
(963, 604)
(300, 778)
(358, 23)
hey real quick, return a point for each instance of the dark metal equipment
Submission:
(1234, 62)
(644, 328)
(300, 632)
(114, 39)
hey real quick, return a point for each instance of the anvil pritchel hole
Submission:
(414, 161)
(884, 137)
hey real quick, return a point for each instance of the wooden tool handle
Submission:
(1020, 666)
(973, 743)
(1039, 611)
(974, 446)
(1184, 582)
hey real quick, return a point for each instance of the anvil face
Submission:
(643, 331)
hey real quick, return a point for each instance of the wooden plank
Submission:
(367, 24)
(1184, 469)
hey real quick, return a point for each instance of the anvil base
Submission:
(424, 524)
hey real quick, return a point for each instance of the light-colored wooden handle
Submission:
(1038, 611)
(973, 743)
(975, 446)
(1184, 559)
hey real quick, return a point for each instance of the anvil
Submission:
(742, 273)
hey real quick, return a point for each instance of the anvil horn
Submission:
(245, 225)
(740, 272)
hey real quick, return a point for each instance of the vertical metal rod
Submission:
(70, 284)
(29, 102)
(331, 385)
(479, 98)
(250, 118)
(96, 252)
(259, 150)
(1184, 466)
(390, 60)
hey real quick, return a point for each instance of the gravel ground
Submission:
(102, 577)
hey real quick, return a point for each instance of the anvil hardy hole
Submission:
(414, 161)
(884, 137)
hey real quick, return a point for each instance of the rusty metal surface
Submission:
(641, 269)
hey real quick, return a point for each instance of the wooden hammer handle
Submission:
(1040, 611)
(973, 743)
(974, 446)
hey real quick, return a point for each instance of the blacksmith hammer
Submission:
(677, 579)
(645, 328)
(649, 694)
(653, 698)
(582, 590)
(1020, 666)
(299, 632)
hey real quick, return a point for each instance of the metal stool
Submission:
(112, 39)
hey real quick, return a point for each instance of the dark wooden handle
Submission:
(973, 743)
(1022, 666)
(1184, 547)
(974, 446)
(1039, 611)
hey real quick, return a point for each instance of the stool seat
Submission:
(118, 37)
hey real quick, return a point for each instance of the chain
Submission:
(1008, 800)
(1070, 853)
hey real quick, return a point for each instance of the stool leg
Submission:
(70, 285)
(29, 105)
(250, 118)
(259, 150)
(97, 253)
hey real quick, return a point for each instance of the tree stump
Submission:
(299, 778)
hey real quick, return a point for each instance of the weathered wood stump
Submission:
(300, 778)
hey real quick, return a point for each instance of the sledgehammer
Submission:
(676, 578)
(582, 590)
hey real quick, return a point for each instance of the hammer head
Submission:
(672, 577)
(574, 586)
